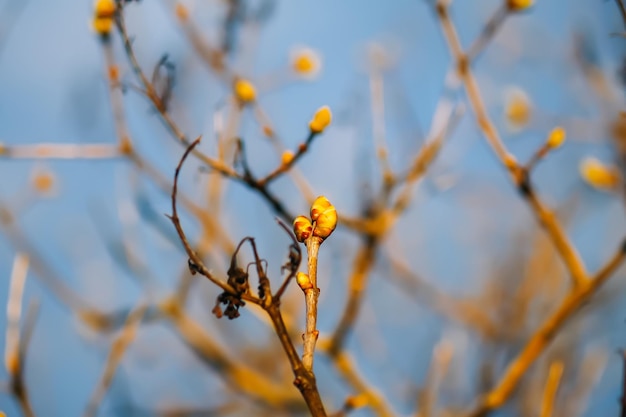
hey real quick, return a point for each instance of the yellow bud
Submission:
(244, 90)
(556, 137)
(598, 175)
(518, 108)
(286, 157)
(324, 214)
(302, 228)
(102, 25)
(304, 281)
(320, 204)
(305, 62)
(43, 181)
(104, 8)
(325, 223)
(357, 401)
(517, 5)
(321, 120)
(181, 12)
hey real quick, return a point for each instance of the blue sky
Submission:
(53, 89)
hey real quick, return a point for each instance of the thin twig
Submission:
(546, 217)
(372, 398)
(249, 382)
(61, 151)
(542, 337)
(197, 263)
(555, 372)
(118, 348)
(18, 383)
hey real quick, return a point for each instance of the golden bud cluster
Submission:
(244, 90)
(104, 16)
(321, 120)
(321, 224)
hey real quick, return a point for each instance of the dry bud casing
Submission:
(321, 120)
(302, 228)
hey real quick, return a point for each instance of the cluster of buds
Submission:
(321, 224)
(104, 17)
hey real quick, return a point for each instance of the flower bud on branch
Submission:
(321, 120)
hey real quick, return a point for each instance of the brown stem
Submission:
(311, 296)
(304, 379)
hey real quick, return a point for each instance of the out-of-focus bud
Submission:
(286, 157)
(102, 26)
(43, 181)
(181, 12)
(244, 90)
(517, 108)
(103, 19)
(598, 175)
(357, 401)
(302, 228)
(104, 8)
(518, 5)
(556, 137)
(321, 120)
(304, 281)
(305, 62)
